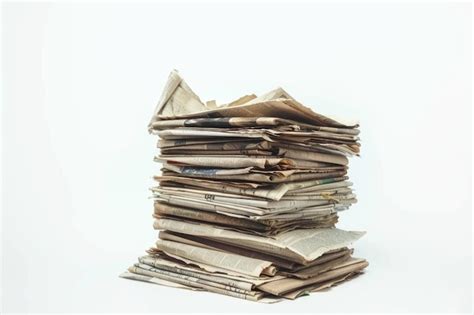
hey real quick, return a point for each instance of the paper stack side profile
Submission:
(248, 197)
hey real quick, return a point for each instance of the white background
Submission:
(80, 83)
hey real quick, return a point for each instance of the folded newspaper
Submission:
(248, 197)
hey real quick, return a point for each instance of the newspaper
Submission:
(302, 245)
(249, 195)
(283, 286)
(145, 278)
(241, 264)
(185, 104)
(190, 281)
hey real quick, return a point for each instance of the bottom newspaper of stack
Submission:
(201, 256)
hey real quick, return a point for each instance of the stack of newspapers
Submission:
(248, 197)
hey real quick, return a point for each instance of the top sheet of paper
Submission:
(179, 101)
